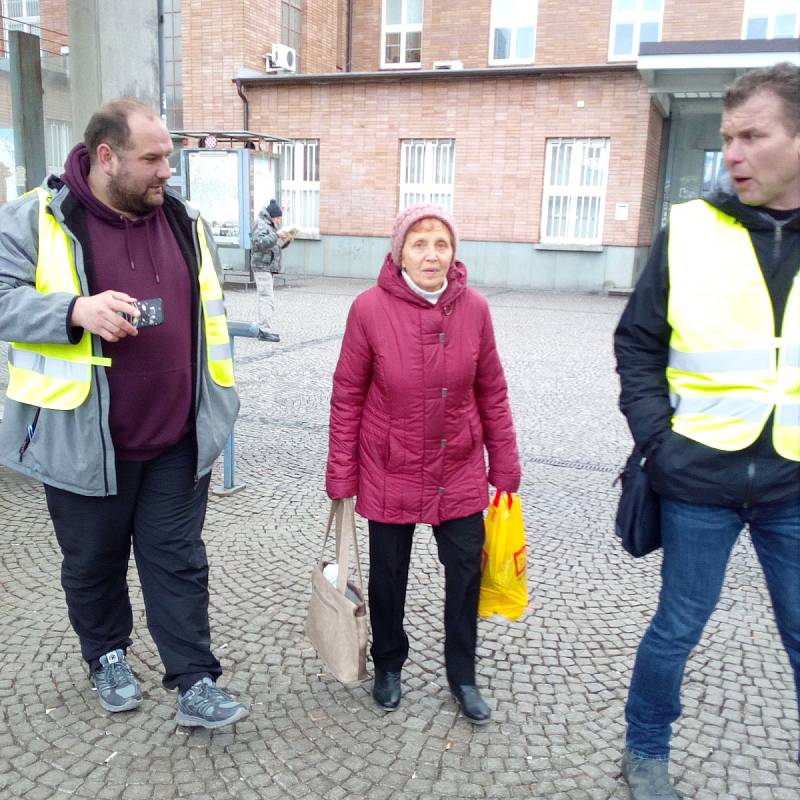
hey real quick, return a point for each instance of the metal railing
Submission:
(248, 330)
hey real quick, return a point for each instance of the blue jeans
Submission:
(697, 542)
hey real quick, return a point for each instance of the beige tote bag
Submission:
(337, 615)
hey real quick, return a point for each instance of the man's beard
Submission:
(123, 199)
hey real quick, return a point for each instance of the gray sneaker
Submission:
(205, 705)
(117, 689)
(648, 778)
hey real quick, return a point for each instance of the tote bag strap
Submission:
(343, 511)
(345, 534)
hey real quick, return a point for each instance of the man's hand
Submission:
(100, 314)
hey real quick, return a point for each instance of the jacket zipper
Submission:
(200, 343)
(30, 430)
(776, 249)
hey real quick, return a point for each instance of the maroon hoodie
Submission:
(150, 377)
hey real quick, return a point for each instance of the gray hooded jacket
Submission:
(72, 450)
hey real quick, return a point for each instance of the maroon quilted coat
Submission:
(418, 393)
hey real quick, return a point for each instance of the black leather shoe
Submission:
(472, 704)
(386, 689)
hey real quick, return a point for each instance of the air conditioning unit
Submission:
(282, 57)
(448, 65)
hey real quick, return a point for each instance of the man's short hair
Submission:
(109, 124)
(781, 79)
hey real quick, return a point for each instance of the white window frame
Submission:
(27, 18)
(29, 23)
(403, 28)
(526, 16)
(423, 164)
(771, 9)
(58, 141)
(570, 190)
(637, 18)
(300, 186)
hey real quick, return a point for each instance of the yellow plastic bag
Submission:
(504, 587)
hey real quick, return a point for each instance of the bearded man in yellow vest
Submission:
(708, 352)
(120, 408)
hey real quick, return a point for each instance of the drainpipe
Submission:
(162, 91)
(349, 49)
(246, 108)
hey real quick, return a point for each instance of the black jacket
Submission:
(679, 467)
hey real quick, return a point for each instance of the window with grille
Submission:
(58, 136)
(291, 18)
(771, 19)
(633, 22)
(401, 34)
(513, 31)
(575, 179)
(300, 184)
(427, 172)
(22, 10)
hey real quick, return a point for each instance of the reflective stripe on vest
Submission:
(218, 343)
(56, 376)
(727, 371)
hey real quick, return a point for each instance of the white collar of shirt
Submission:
(431, 297)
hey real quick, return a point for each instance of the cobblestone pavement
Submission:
(556, 680)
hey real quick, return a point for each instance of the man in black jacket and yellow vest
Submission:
(708, 352)
(121, 412)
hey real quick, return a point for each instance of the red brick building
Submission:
(558, 133)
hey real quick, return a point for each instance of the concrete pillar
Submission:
(27, 109)
(113, 52)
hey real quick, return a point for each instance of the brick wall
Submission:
(696, 20)
(500, 127)
(53, 17)
(219, 39)
(567, 34)
(652, 178)
(320, 39)
(366, 35)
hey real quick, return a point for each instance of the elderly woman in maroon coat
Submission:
(418, 393)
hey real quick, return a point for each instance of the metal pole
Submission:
(27, 109)
(229, 486)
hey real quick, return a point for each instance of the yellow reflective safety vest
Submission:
(58, 376)
(219, 354)
(727, 371)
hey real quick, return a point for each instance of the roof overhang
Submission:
(677, 70)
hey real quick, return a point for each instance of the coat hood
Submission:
(392, 281)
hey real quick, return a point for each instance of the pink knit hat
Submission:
(409, 217)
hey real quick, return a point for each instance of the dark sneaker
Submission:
(205, 705)
(117, 689)
(648, 778)
(268, 336)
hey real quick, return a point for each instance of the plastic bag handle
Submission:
(497, 493)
